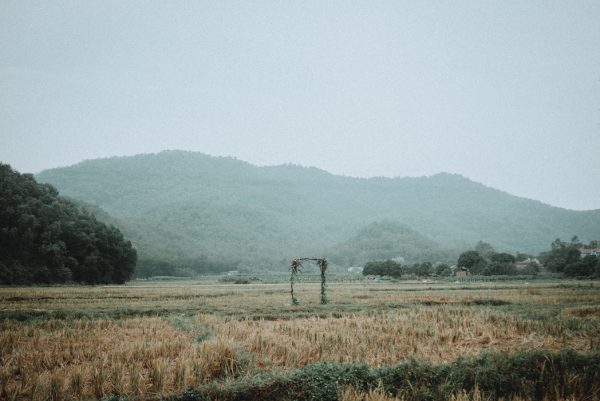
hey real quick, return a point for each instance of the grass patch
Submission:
(585, 312)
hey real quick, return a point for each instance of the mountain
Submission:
(183, 204)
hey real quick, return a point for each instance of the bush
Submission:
(385, 268)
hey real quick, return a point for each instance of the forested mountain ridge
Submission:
(183, 203)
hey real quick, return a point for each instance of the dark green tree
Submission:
(560, 255)
(47, 239)
(484, 249)
(501, 264)
(584, 268)
(443, 270)
(473, 261)
(421, 269)
(383, 268)
(502, 257)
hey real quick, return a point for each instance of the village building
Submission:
(590, 252)
(529, 261)
(460, 271)
(355, 269)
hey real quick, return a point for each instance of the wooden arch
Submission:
(296, 267)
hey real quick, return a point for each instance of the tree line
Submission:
(396, 269)
(563, 257)
(182, 267)
(45, 238)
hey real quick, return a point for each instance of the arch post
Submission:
(294, 270)
(322, 263)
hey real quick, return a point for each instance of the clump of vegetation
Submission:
(394, 269)
(565, 257)
(530, 375)
(484, 260)
(385, 268)
(239, 279)
(45, 238)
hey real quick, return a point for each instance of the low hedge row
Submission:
(536, 374)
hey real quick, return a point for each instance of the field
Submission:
(160, 340)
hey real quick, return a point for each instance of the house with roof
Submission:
(529, 261)
(355, 269)
(590, 251)
(459, 271)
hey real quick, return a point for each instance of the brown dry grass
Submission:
(438, 334)
(205, 332)
(91, 359)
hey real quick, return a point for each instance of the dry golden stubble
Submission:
(376, 324)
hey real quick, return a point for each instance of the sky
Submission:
(506, 93)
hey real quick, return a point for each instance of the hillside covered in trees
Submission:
(178, 205)
(46, 238)
(385, 240)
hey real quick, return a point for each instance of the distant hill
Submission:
(389, 240)
(174, 204)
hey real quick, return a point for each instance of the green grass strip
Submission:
(536, 375)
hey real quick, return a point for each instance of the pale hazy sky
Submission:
(506, 93)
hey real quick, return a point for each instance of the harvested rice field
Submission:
(195, 339)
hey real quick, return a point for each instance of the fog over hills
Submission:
(178, 204)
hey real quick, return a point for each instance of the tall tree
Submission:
(485, 249)
(560, 255)
(473, 261)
